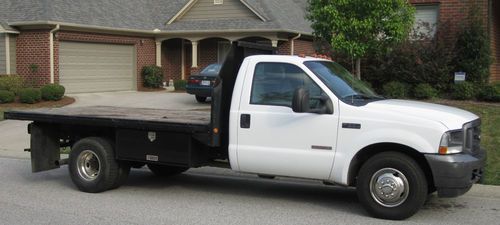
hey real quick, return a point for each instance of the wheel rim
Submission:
(88, 165)
(389, 187)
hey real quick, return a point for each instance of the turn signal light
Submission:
(443, 150)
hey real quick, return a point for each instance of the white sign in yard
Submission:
(459, 77)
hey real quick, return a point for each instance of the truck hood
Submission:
(453, 118)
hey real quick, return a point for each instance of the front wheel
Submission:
(392, 186)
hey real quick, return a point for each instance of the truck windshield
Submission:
(342, 83)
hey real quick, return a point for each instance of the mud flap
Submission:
(45, 149)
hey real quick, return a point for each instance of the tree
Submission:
(357, 27)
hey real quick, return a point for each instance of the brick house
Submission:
(451, 13)
(102, 45)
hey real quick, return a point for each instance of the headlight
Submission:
(451, 142)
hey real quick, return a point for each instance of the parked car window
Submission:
(275, 83)
(211, 70)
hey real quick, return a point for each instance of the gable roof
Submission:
(147, 15)
(191, 3)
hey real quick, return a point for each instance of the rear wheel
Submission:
(200, 98)
(391, 185)
(92, 166)
(165, 171)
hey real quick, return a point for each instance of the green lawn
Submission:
(490, 134)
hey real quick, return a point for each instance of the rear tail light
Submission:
(194, 81)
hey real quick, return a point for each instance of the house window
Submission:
(223, 48)
(426, 20)
(218, 2)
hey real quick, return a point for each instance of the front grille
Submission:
(472, 136)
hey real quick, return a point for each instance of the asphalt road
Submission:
(210, 196)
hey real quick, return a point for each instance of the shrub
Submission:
(496, 85)
(12, 83)
(463, 91)
(180, 84)
(7, 96)
(424, 91)
(52, 92)
(30, 95)
(395, 89)
(413, 62)
(473, 52)
(488, 93)
(152, 76)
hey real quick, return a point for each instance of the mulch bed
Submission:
(44, 104)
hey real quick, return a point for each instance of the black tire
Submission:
(166, 171)
(123, 172)
(391, 168)
(200, 99)
(92, 166)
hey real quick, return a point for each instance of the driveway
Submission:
(14, 137)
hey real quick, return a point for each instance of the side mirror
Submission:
(300, 101)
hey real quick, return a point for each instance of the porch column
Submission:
(7, 54)
(158, 53)
(194, 60)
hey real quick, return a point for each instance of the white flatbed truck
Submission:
(275, 116)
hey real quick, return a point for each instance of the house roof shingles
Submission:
(147, 15)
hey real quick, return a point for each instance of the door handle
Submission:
(245, 121)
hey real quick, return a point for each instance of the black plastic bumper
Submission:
(199, 91)
(454, 174)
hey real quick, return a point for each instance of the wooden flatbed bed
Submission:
(120, 117)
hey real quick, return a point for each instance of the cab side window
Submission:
(275, 84)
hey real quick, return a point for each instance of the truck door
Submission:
(274, 140)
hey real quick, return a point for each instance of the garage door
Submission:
(91, 67)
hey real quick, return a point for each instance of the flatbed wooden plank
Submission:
(117, 116)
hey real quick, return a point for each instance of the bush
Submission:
(488, 93)
(413, 62)
(424, 91)
(52, 92)
(395, 89)
(7, 96)
(180, 84)
(496, 85)
(473, 52)
(12, 83)
(152, 76)
(463, 91)
(30, 95)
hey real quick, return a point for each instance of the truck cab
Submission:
(309, 118)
